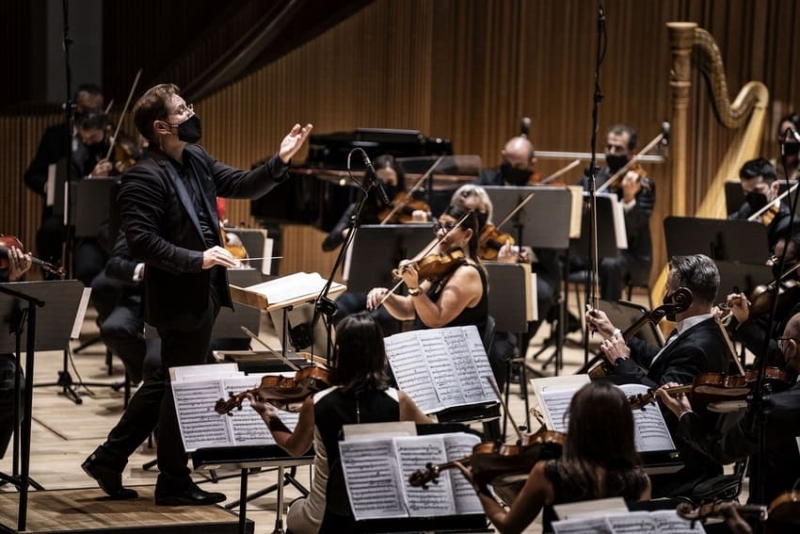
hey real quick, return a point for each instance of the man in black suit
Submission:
(167, 201)
(696, 346)
(780, 460)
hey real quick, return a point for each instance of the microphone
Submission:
(372, 176)
(525, 127)
(665, 133)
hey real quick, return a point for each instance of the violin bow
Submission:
(427, 251)
(625, 168)
(780, 197)
(124, 111)
(280, 356)
(516, 209)
(410, 191)
(559, 172)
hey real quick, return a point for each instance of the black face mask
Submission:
(98, 150)
(514, 176)
(190, 130)
(616, 162)
(756, 201)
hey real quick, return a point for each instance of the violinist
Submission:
(458, 298)
(751, 315)
(637, 193)
(735, 440)
(599, 461)
(695, 346)
(361, 394)
(518, 166)
(760, 187)
(393, 178)
(57, 146)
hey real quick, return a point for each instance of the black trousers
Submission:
(153, 404)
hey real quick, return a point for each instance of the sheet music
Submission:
(291, 287)
(651, 432)
(266, 263)
(668, 521)
(592, 525)
(413, 454)
(457, 446)
(246, 424)
(50, 186)
(620, 232)
(632, 523)
(442, 367)
(76, 326)
(556, 404)
(372, 479)
(410, 369)
(200, 425)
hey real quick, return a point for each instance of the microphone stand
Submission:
(323, 306)
(23, 481)
(592, 287)
(68, 107)
(760, 403)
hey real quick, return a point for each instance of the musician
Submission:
(637, 193)
(599, 461)
(460, 298)
(780, 459)
(361, 394)
(790, 147)
(696, 346)
(166, 201)
(518, 166)
(393, 178)
(760, 187)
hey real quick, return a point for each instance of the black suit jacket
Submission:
(53, 148)
(162, 229)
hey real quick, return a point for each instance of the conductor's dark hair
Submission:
(359, 359)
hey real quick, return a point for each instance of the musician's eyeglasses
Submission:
(443, 226)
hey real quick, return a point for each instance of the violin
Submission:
(7, 241)
(234, 246)
(710, 388)
(492, 462)
(599, 367)
(283, 392)
(124, 157)
(436, 267)
(784, 510)
(491, 241)
(401, 209)
(762, 299)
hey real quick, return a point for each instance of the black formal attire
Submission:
(776, 229)
(753, 335)
(699, 349)
(169, 219)
(631, 265)
(54, 148)
(8, 369)
(779, 461)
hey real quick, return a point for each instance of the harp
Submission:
(692, 46)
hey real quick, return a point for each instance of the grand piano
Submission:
(321, 189)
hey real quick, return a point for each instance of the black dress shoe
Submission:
(192, 495)
(109, 478)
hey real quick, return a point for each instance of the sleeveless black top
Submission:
(628, 484)
(476, 315)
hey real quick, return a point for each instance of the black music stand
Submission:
(90, 203)
(742, 241)
(742, 275)
(734, 196)
(509, 307)
(47, 330)
(377, 249)
(624, 314)
(544, 222)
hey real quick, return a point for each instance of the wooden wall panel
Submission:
(468, 70)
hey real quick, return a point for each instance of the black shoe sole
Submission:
(120, 494)
(182, 501)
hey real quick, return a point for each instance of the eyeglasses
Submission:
(782, 340)
(184, 109)
(443, 226)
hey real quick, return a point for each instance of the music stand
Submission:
(742, 241)
(377, 249)
(734, 196)
(90, 203)
(744, 276)
(544, 222)
(510, 304)
(624, 314)
(51, 332)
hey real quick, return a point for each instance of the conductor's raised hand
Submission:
(292, 142)
(218, 256)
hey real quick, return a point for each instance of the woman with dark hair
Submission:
(460, 297)
(361, 394)
(599, 461)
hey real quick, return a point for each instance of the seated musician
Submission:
(361, 394)
(760, 188)
(393, 178)
(18, 264)
(751, 319)
(696, 346)
(518, 166)
(789, 158)
(780, 459)
(599, 461)
(637, 193)
(458, 298)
